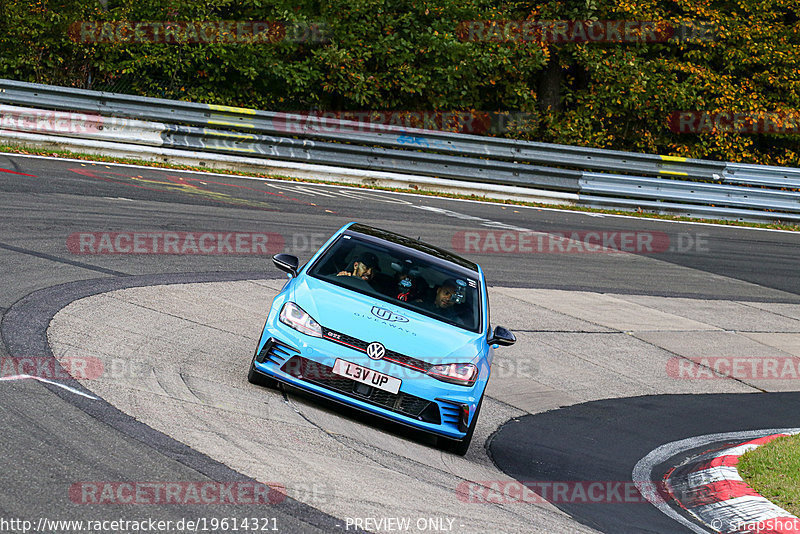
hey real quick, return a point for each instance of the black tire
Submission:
(260, 379)
(460, 447)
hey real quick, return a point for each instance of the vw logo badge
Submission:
(375, 351)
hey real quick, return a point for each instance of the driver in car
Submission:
(364, 267)
(448, 299)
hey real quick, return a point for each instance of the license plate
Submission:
(366, 376)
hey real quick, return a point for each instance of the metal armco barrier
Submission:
(372, 158)
(691, 192)
(601, 178)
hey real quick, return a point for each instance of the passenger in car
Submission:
(410, 288)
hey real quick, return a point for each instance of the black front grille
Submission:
(333, 335)
(322, 375)
(394, 357)
(408, 361)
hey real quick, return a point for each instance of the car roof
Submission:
(372, 234)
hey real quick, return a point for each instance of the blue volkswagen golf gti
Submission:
(386, 324)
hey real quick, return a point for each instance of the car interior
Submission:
(396, 278)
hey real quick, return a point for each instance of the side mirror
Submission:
(502, 336)
(286, 262)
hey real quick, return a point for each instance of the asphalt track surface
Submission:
(54, 438)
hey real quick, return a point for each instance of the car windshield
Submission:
(404, 278)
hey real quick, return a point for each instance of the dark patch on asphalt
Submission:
(24, 332)
(603, 441)
(58, 259)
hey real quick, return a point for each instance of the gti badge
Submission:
(388, 315)
(375, 351)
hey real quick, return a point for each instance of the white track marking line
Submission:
(463, 216)
(302, 190)
(53, 382)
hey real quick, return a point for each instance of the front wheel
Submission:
(460, 447)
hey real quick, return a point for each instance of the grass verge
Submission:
(773, 470)
(108, 159)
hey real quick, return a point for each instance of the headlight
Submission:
(463, 374)
(294, 316)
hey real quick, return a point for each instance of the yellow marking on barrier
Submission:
(228, 123)
(235, 148)
(673, 158)
(676, 173)
(228, 134)
(231, 109)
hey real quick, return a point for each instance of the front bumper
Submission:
(422, 402)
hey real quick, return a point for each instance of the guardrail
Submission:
(599, 177)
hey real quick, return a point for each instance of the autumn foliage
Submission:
(717, 57)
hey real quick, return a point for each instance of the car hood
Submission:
(370, 319)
